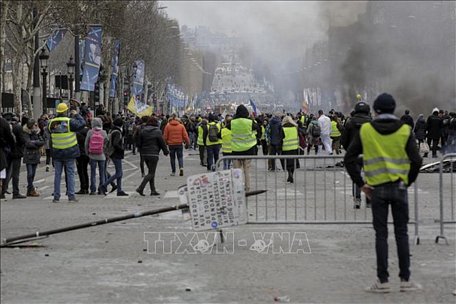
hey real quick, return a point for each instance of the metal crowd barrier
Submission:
(321, 192)
(447, 212)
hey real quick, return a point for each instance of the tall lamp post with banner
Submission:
(70, 69)
(43, 57)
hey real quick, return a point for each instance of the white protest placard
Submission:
(216, 200)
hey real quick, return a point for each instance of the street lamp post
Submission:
(43, 57)
(70, 66)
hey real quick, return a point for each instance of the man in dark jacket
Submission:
(360, 117)
(7, 141)
(391, 164)
(434, 127)
(274, 134)
(116, 140)
(82, 162)
(65, 148)
(14, 166)
(150, 142)
(407, 119)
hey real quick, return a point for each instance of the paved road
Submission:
(119, 263)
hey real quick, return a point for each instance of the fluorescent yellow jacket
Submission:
(384, 156)
(291, 140)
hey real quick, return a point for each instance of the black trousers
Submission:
(383, 196)
(434, 147)
(151, 163)
(274, 150)
(82, 164)
(12, 172)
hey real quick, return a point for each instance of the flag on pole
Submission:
(256, 112)
(139, 108)
(54, 40)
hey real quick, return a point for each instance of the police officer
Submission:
(391, 164)
(65, 149)
(244, 142)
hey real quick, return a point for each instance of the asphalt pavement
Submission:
(156, 259)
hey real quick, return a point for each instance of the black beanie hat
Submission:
(384, 103)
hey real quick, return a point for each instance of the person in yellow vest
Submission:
(391, 164)
(263, 141)
(290, 144)
(243, 140)
(201, 134)
(213, 142)
(64, 148)
(226, 143)
(335, 133)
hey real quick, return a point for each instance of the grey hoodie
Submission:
(97, 124)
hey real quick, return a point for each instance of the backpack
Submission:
(110, 149)
(96, 143)
(316, 130)
(213, 133)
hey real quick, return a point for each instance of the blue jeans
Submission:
(31, 170)
(173, 151)
(382, 196)
(212, 156)
(227, 162)
(93, 170)
(70, 174)
(117, 176)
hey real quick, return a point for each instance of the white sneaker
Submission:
(378, 287)
(410, 286)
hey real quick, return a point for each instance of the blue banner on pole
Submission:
(92, 58)
(54, 40)
(115, 69)
(138, 80)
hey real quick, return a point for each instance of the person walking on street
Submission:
(408, 119)
(226, 143)
(95, 146)
(150, 142)
(243, 141)
(14, 165)
(391, 164)
(64, 148)
(290, 145)
(335, 133)
(360, 117)
(313, 132)
(116, 153)
(434, 127)
(420, 132)
(82, 161)
(174, 135)
(274, 135)
(325, 126)
(213, 142)
(33, 142)
(201, 141)
(7, 141)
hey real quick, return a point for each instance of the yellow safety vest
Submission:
(291, 140)
(200, 139)
(62, 140)
(243, 137)
(303, 120)
(384, 156)
(212, 143)
(226, 140)
(334, 130)
(263, 133)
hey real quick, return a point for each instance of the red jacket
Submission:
(175, 134)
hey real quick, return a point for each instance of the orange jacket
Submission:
(175, 134)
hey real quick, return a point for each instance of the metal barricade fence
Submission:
(446, 198)
(320, 194)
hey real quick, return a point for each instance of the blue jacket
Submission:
(274, 133)
(76, 123)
